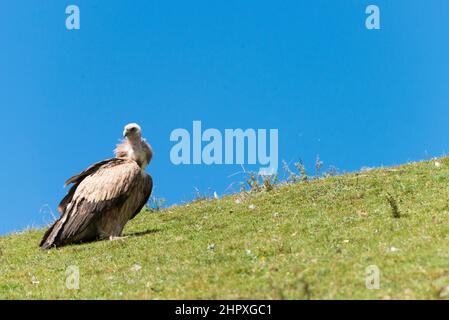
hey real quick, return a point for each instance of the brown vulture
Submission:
(105, 196)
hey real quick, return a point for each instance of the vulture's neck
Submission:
(134, 149)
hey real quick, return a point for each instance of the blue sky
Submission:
(310, 69)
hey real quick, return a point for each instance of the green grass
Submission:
(306, 240)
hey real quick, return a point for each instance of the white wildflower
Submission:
(136, 267)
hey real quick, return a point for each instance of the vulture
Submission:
(105, 196)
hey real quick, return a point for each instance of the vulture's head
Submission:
(132, 131)
(134, 147)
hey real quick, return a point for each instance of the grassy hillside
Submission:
(305, 240)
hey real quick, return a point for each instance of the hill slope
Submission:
(307, 240)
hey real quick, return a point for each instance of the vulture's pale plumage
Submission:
(105, 196)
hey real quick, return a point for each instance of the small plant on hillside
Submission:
(257, 182)
(155, 203)
(318, 166)
(253, 182)
(292, 177)
(331, 172)
(393, 206)
(302, 170)
(200, 196)
(269, 182)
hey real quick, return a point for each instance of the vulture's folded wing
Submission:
(144, 194)
(98, 189)
(79, 177)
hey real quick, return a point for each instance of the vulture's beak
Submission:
(125, 133)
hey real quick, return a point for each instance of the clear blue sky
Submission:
(308, 68)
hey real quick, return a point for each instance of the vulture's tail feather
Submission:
(50, 237)
(45, 244)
